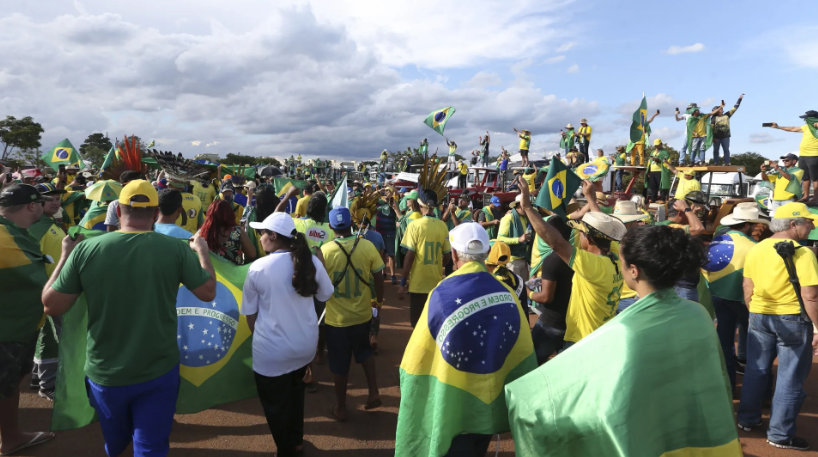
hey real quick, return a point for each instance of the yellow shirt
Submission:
(772, 290)
(685, 186)
(653, 165)
(452, 149)
(464, 169)
(51, 245)
(583, 130)
(350, 304)
(525, 142)
(192, 207)
(597, 285)
(301, 206)
(780, 189)
(205, 194)
(428, 238)
(700, 130)
(530, 179)
(415, 216)
(505, 229)
(809, 144)
(317, 233)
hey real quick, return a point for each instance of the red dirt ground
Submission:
(239, 429)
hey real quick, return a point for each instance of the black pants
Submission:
(282, 398)
(469, 445)
(416, 304)
(654, 182)
(461, 181)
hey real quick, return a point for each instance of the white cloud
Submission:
(698, 47)
(573, 68)
(666, 134)
(484, 79)
(762, 138)
(566, 47)
(193, 143)
(554, 59)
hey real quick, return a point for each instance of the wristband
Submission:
(403, 282)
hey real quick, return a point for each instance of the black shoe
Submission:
(749, 428)
(48, 394)
(35, 383)
(740, 367)
(797, 443)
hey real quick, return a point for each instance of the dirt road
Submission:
(239, 429)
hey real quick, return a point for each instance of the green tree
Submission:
(29, 157)
(238, 159)
(19, 133)
(95, 148)
(750, 160)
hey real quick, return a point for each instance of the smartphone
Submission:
(767, 124)
(677, 109)
(722, 103)
(657, 111)
(61, 168)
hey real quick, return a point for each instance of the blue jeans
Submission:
(687, 294)
(723, 143)
(583, 148)
(547, 340)
(697, 149)
(790, 338)
(624, 303)
(741, 350)
(618, 180)
(729, 313)
(140, 412)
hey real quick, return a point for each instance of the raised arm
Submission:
(282, 205)
(653, 117)
(787, 129)
(548, 233)
(695, 225)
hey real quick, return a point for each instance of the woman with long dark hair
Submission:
(224, 238)
(278, 303)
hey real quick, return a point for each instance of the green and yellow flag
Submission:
(282, 185)
(63, 153)
(94, 218)
(211, 374)
(437, 119)
(724, 270)
(109, 158)
(640, 121)
(594, 171)
(691, 126)
(615, 394)
(471, 340)
(558, 188)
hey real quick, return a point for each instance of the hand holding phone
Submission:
(657, 111)
(767, 124)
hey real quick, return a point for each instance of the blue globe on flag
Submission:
(590, 170)
(61, 154)
(557, 188)
(205, 330)
(440, 116)
(719, 253)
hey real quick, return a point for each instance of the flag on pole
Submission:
(640, 121)
(560, 183)
(152, 144)
(339, 197)
(113, 153)
(282, 185)
(63, 153)
(437, 119)
(472, 339)
(220, 375)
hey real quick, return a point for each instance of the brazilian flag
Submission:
(724, 270)
(437, 119)
(560, 183)
(109, 158)
(211, 374)
(282, 185)
(471, 340)
(94, 218)
(63, 153)
(594, 171)
(640, 120)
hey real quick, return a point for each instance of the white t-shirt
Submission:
(110, 217)
(685, 117)
(286, 331)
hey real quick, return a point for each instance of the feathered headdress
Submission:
(364, 207)
(178, 170)
(127, 157)
(433, 178)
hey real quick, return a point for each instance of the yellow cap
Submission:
(794, 209)
(138, 187)
(657, 142)
(500, 254)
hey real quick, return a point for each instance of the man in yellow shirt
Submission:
(205, 191)
(464, 172)
(786, 181)
(428, 250)
(192, 216)
(584, 136)
(512, 231)
(525, 144)
(597, 281)
(687, 182)
(808, 151)
(353, 264)
(301, 206)
(778, 325)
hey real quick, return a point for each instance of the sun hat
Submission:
(569, 126)
(250, 185)
(583, 121)
(135, 188)
(463, 234)
(280, 223)
(601, 198)
(793, 210)
(500, 254)
(744, 212)
(626, 211)
(517, 200)
(602, 225)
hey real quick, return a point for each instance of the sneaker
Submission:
(48, 394)
(394, 280)
(796, 443)
(35, 382)
(749, 428)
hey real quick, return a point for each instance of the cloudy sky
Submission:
(348, 78)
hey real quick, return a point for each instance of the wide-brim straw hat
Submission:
(744, 212)
(626, 211)
(569, 126)
(603, 225)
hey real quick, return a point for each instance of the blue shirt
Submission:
(504, 164)
(172, 230)
(376, 239)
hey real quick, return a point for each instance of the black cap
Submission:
(810, 113)
(48, 189)
(19, 194)
(428, 197)
(790, 156)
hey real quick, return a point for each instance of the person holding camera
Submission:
(786, 180)
(808, 150)
(780, 325)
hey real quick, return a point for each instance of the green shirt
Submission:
(130, 281)
(22, 277)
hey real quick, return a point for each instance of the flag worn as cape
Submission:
(219, 376)
(691, 125)
(63, 153)
(560, 183)
(437, 119)
(811, 125)
(94, 218)
(615, 394)
(471, 340)
(640, 121)
(724, 270)
(567, 141)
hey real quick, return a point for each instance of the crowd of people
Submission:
(317, 276)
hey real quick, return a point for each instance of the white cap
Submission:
(463, 234)
(250, 185)
(280, 223)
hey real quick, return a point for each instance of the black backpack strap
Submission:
(786, 249)
(349, 263)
